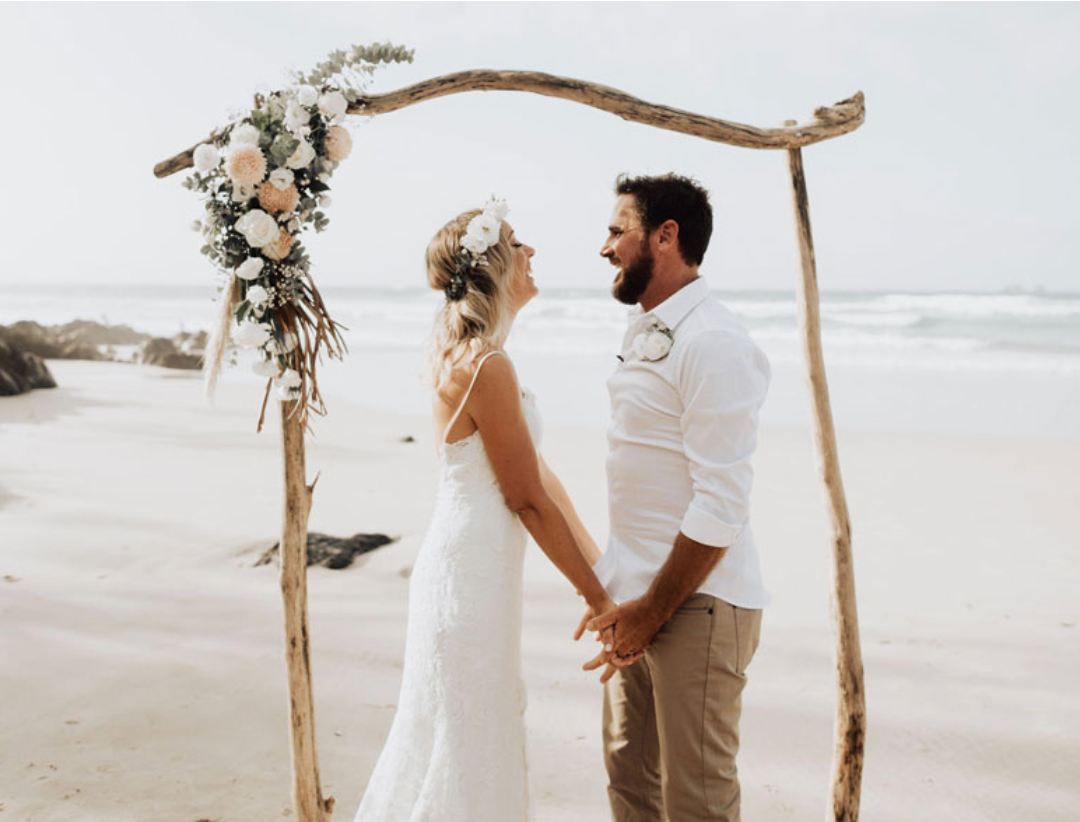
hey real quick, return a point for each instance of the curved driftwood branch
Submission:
(828, 122)
(849, 728)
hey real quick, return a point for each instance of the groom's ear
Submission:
(667, 236)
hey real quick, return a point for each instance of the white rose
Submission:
(333, 104)
(470, 242)
(257, 295)
(251, 335)
(290, 379)
(281, 178)
(303, 155)
(652, 345)
(206, 157)
(296, 111)
(307, 95)
(258, 228)
(498, 209)
(266, 368)
(244, 134)
(296, 116)
(485, 227)
(250, 268)
(288, 385)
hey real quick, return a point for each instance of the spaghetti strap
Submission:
(465, 399)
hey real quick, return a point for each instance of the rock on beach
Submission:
(21, 371)
(25, 345)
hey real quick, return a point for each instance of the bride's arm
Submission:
(495, 407)
(558, 494)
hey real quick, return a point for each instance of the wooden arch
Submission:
(849, 727)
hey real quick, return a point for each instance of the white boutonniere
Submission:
(654, 343)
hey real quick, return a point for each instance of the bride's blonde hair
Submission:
(477, 322)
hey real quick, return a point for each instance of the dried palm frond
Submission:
(315, 331)
(218, 340)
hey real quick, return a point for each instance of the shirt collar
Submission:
(674, 309)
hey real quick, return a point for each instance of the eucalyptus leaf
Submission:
(283, 148)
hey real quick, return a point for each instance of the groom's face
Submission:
(627, 249)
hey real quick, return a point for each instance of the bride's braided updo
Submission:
(473, 318)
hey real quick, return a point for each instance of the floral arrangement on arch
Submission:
(266, 179)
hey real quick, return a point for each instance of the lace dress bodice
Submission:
(456, 749)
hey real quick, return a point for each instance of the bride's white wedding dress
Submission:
(456, 749)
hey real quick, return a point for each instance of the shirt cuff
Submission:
(708, 530)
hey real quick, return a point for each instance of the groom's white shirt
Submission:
(682, 431)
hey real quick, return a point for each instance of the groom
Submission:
(681, 557)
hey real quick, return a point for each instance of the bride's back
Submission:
(446, 401)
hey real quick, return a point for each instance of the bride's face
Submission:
(522, 286)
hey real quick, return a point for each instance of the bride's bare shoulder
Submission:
(450, 391)
(494, 370)
(497, 373)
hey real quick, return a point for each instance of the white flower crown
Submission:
(481, 234)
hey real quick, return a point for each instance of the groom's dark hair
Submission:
(673, 197)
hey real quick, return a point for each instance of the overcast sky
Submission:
(964, 176)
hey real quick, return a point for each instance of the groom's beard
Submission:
(635, 278)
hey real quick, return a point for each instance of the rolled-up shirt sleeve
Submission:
(722, 381)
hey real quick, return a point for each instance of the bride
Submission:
(456, 749)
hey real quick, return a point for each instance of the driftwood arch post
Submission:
(828, 122)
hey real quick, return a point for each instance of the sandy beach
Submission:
(143, 669)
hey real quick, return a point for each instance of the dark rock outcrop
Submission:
(332, 552)
(164, 351)
(48, 342)
(21, 371)
(89, 340)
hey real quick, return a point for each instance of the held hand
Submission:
(612, 661)
(608, 640)
(637, 622)
(607, 656)
(590, 613)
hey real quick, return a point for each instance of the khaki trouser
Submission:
(671, 720)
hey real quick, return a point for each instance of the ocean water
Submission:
(993, 363)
